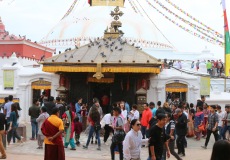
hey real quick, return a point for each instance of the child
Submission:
(78, 130)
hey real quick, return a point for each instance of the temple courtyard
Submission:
(28, 150)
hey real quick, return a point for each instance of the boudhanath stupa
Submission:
(83, 23)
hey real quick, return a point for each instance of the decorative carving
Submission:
(98, 73)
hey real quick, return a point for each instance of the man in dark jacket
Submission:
(50, 105)
(34, 112)
(181, 131)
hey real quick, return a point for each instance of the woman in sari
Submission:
(68, 117)
(199, 118)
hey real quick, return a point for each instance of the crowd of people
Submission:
(158, 127)
(214, 68)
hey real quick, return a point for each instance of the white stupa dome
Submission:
(89, 22)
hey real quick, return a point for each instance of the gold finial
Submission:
(114, 31)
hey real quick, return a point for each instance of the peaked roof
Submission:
(107, 52)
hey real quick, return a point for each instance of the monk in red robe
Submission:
(53, 128)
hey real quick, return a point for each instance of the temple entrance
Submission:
(40, 86)
(101, 91)
(176, 90)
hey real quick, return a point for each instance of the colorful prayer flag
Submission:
(227, 40)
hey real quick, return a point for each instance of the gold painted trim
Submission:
(104, 69)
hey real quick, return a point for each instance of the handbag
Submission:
(97, 126)
(66, 123)
(102, 122)
(119, 135)
(201, 127)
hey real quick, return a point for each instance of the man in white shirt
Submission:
(108, 129)
(221, 116)
(133, 142)
(134, 113)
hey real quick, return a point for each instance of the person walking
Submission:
(146, 117)
(42, 117)
(6, 99)
(153, 108)
(198, 122)
(97, 105)
(133, 141)
(94, 121)
(7, 109)
(34, 112)
(78, 108)
(117, 126)
(181, 131)
(52, 129)
(197, 65)
(13, 125)
(158, 139)
(212, 126)
(108, 129)
(221, 116)
(192, 64)
(78, 129)
(2, 133)
(209, 67)
(226, 121)
(170, 130)
(134, 113)
(69, 116)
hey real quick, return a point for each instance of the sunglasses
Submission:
(138, 124)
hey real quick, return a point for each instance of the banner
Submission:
(8, 79)
(119, 3)
(205, 86)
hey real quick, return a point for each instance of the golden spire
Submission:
(113, 31)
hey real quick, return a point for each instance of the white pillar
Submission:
(22, 101)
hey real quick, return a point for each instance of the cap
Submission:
(178, 110)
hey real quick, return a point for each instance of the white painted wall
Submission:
(23, 77)
(158, 83)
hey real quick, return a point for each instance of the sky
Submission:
(35, 18)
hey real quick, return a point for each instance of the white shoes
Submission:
(106, 143)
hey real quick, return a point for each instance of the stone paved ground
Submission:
(28, 151)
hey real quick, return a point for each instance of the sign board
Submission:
(205, 86)
(8, 79)
(41, 84)
(119, 3)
